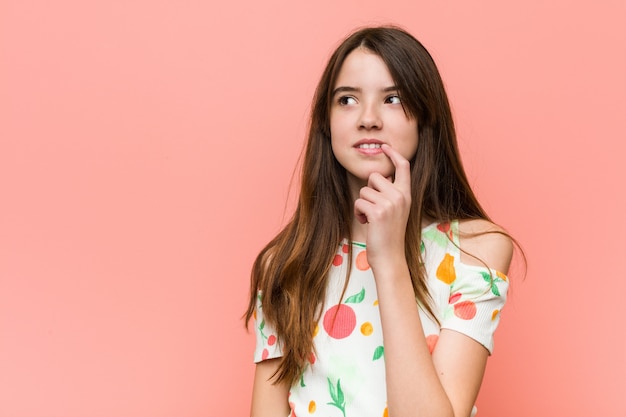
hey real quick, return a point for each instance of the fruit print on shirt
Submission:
(345, 376)
(340, 320)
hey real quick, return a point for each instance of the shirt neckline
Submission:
(364, 246)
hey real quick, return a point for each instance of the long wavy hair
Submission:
(291, 272)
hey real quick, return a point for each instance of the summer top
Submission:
(345, 376)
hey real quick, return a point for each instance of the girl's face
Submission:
(366, 112)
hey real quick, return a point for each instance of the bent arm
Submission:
(413, 385)
(268, 399)
(447, 382)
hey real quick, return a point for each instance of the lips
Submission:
(368, 143)
(369, 146)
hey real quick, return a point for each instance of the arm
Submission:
(459, 359)
(414, 387)
(268, 400)
(449, 380)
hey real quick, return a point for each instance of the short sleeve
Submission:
(477, 297)
(267, 344)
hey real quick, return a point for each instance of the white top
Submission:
(345, 377)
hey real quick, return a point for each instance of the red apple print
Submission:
(445, 229)
(337, 260)
(344, 248)
(265, 354)
(312, 358)
(339, 321)
(431, 341)
(465, 310)
(454, 298)
(271, 340)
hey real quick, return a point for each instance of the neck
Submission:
(358, 230)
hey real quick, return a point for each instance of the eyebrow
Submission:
(348, 89)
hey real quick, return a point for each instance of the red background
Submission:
(146, 150)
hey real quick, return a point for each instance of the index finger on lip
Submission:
(403, 168)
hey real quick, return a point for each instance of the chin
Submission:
(363, 177)
(385, 171)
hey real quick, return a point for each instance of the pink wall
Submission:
(146, 149)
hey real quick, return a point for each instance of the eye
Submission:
(394, 99)
(346, 100)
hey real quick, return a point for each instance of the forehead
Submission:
(363, 68)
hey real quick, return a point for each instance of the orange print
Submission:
(446, 272)
(361, 261)
(494, 314)
(367, 328)
(312, 407)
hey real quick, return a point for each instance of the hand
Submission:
(385, 204)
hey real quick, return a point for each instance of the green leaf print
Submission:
(332, 390)
(494, 289)
(491, 280)
(261, 327)
(340, 398)
(356, 298)
(378, 353)
(336, 394)
(434, 235)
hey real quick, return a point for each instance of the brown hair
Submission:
(291, 271)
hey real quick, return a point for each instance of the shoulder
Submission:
(483, 242)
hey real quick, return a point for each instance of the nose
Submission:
(370, 117)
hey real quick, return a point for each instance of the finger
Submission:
(403, 167)
(361, 207)
(379, 183)
(371, 194)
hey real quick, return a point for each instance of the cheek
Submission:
(335, 127)
(333, 148)
(338, 135)
(334, 144)
(411, 139)
(411, 154)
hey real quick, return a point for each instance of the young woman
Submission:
(381, 295)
